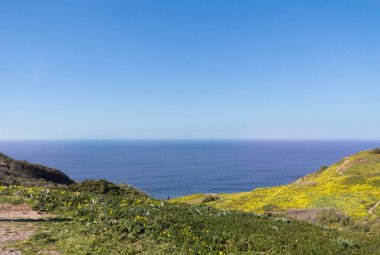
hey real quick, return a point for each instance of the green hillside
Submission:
(99, 217)
(89, 223)
(17, 172)
(350, 186)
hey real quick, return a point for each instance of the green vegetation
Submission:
(350, 187)
(99, 217)
(331, 217)
(16, 172)
(106, 188)
(88, 223)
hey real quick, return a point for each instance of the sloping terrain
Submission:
(16, 172)
(104, 224)
(351, 186)
(99, 217)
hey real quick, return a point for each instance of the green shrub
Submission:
(106, 188)
(332, 217)
(319, 171)
(323, 168)
(345, 242)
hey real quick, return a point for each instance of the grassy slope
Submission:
(16, 172)
(133, 223)
(100, 224)
(353, 192)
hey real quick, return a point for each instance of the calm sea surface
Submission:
(175, 168)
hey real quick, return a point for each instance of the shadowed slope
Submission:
(15, 172)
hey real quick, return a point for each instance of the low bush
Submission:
(209, 198)
(331, 217)
(106, 188)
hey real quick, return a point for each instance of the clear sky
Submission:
(190, 69)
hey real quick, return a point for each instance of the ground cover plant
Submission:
(351, 187)
(102, 224)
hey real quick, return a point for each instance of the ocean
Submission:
(175, 168)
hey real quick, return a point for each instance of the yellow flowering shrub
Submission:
(351, 186)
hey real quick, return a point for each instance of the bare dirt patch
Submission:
(304, 214)
(13, 212)
(17, 222)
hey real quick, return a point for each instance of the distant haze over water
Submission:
(176, 168)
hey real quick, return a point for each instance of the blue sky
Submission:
(190, 69)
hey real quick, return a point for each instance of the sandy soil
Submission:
(17, 222)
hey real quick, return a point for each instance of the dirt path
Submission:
(17, 222)
(370, 211)
(340, 170)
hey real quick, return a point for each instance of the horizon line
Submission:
(189, 139)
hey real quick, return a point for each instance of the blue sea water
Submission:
(176, 168)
